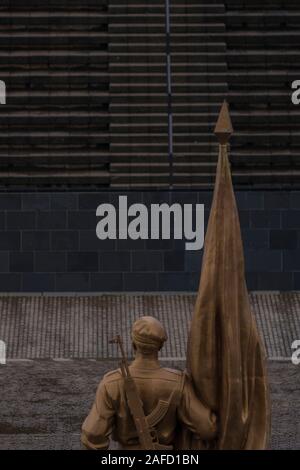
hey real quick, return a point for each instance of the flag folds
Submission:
(226, 358)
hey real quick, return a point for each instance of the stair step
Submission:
(145, 47)
(160, 28)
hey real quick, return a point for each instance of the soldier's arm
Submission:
(98, 425)
(196, 416)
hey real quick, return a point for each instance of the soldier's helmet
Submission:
(148, 335)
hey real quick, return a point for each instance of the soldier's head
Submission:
(148, 335)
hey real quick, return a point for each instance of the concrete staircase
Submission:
(87, 102)
(263, 39)
(138, 92)
(54, 60)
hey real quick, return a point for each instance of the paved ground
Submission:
(38, 327)
(44, 400)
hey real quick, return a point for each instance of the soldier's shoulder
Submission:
(112, 376)
(173, 374)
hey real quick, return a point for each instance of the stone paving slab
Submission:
(43, 402)
(80, 326)
(58, 350)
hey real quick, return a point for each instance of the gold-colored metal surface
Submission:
(166, 396)
(224, 129)
(223, 402)
(226, 358)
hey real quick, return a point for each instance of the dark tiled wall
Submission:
(48, 243)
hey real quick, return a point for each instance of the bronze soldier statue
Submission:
(141, 406)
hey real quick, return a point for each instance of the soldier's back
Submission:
(159, 389)
(152, 383)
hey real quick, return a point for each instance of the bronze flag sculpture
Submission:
(226, 358)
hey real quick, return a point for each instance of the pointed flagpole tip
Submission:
(224, 129)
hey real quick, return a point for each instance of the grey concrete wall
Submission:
(48, 243)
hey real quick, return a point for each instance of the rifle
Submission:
(147, 435)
